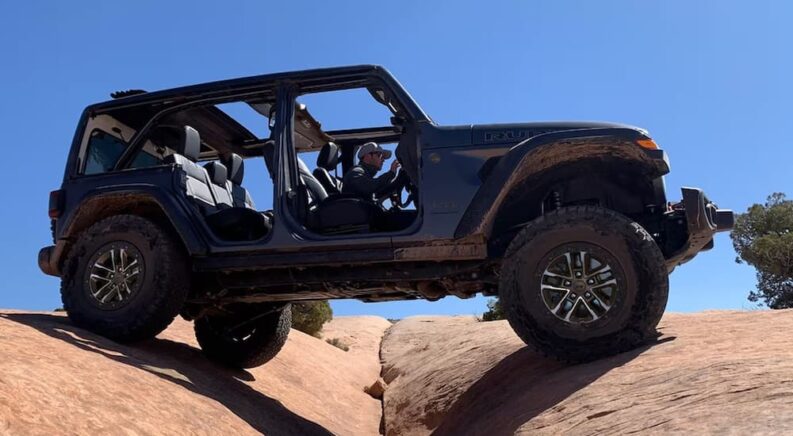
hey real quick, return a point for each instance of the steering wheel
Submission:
(395, 194)
(396, 200)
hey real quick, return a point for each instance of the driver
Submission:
(361, 181)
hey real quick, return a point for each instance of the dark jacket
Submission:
(361, 180)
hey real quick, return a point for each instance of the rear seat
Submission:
(208, 190)
(236, 172)
(219, 184)
(196, 184)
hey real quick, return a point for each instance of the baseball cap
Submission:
(373, 147)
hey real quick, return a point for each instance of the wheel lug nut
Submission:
(572, 295)
(587, 295)
(590, 281)
(578, 273)
(567, 283)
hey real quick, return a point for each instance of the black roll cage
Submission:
(283, 89)
(266, 86)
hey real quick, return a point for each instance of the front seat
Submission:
(328, 160)
(335, 214)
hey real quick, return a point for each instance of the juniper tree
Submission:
(763, 238)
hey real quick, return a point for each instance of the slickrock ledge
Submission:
(58, 379)
(709, 373)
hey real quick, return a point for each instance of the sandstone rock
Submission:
(363, 335)
(58, 379)
(712, 372)
(709, 373)
(377, 389)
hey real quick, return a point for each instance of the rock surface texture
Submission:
(708, 373)
(58, 379)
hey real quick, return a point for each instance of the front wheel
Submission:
(582, 283)
(244, 338)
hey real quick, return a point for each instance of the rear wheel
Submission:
(584, 282)
(125, 278)
(244, 338)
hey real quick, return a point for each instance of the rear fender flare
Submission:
(120, 199)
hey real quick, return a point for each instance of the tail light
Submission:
(56, 203)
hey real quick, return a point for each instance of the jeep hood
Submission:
(485, 134)
(505, 135)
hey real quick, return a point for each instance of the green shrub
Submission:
(308, 317)
(336, 342)
(494, 311)
(763, 238)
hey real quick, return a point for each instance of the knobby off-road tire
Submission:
(586, 239)
(249, 345)
(145, 268)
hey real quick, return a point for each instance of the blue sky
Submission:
(710, 80)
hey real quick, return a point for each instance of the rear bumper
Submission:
(46, 261)
(702, 220)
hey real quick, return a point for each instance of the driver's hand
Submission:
(394, 165)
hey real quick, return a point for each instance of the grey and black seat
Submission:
(327, 161)
(231, 222)
(316, 192)
(339, 213)
(236, 171)
(210, 195)
(187, 146)
(218, 178)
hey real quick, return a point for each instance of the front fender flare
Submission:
(543, 153)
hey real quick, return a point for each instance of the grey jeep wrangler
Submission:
(568, 223)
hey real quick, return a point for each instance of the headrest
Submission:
(235, 167)
(328, 157)
(190, 143)
(303, 168)
(217, 173)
